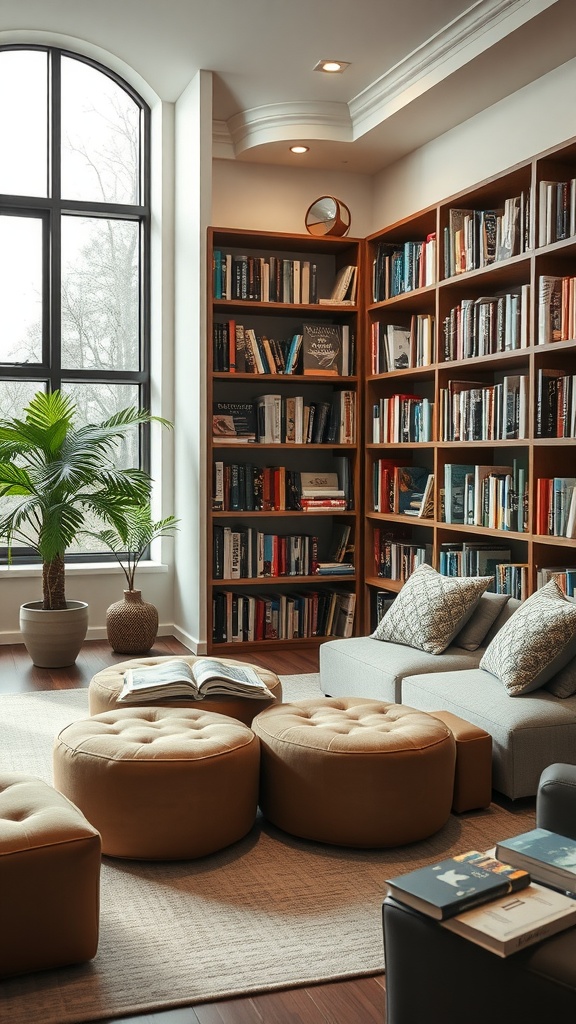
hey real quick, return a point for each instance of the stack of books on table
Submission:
(486, 900)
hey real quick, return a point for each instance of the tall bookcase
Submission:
(263, 586)
(493, 320)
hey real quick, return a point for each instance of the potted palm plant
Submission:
(58, 474)
(131, 623)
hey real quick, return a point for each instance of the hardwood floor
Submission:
(359, 1001)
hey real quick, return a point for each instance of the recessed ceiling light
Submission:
(299, 149)
(332, 67)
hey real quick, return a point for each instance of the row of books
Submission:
(473, 411)
(400, 267)
(397, 559)
(555, 403)
(565, 576)
(319, 350)
(472, 559)
(503, 899)
(492, 496)
(477, 238)
(276, 419)
(291, 420)
(402, 418)
(401, 489)
(487, 325)
(556, 309)
(556, 210)
(245, 487)
(556, 506)
(244, 552)
(264, 279)
(396, 347)
(247, 553)
(239, 618)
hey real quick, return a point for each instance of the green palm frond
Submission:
(133, 535)
(62, 473)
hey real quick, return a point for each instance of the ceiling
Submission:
(416, 68)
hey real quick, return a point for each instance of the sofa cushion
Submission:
(528, 733)
(535, 643)
(484, 615)
(362, 667)
(563, 684)
(431, 609)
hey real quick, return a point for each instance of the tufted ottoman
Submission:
(161, 783)
(49, 878)
(354, 771)
(105, 688)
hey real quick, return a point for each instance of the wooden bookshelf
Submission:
(453, 299)
(271, 308)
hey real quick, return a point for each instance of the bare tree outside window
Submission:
(73, 253)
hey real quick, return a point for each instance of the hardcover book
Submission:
(322, 349)
(454, 491)
(234, 422)
(508, 924)
(409, 486)
(550, 857)
(456, 884)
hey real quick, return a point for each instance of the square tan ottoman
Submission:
(49, 878)
(473, 775)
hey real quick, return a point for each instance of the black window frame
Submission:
(51, 209)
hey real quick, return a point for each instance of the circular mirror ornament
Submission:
(328, 216)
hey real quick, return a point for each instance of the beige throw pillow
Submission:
(483, 617)
(535, 643)
(431, 609)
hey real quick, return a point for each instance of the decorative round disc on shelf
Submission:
(328, 216)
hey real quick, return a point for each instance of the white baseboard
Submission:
(99, 633)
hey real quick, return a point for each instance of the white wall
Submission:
(270, 198)
(193, 157)
(537, 117)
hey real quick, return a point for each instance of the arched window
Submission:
(74, 236)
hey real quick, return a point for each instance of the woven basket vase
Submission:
(131, 624)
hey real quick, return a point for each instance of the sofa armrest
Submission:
(556, 800)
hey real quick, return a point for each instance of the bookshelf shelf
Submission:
(491, 309)
(314, 421)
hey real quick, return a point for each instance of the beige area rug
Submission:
(269, 912)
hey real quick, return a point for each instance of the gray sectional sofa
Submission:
(529, 731)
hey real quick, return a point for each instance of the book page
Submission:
(173, 671)
(246, 678)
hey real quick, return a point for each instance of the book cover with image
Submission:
(234, 422)
(456, 884)
(550, 857)
(322, 350)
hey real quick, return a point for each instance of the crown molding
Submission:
(480, 27)
(455, 45)
(279, 122)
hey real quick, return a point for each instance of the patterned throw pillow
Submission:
(535, 643)
(431, 609)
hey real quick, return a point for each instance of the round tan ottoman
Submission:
(355, 772)
(105, 688)
(161, 783)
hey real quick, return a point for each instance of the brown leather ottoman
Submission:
(355, 772)
(49, 878)
(161, 783)
(105, 687)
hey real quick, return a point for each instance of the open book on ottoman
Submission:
(205, 677)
